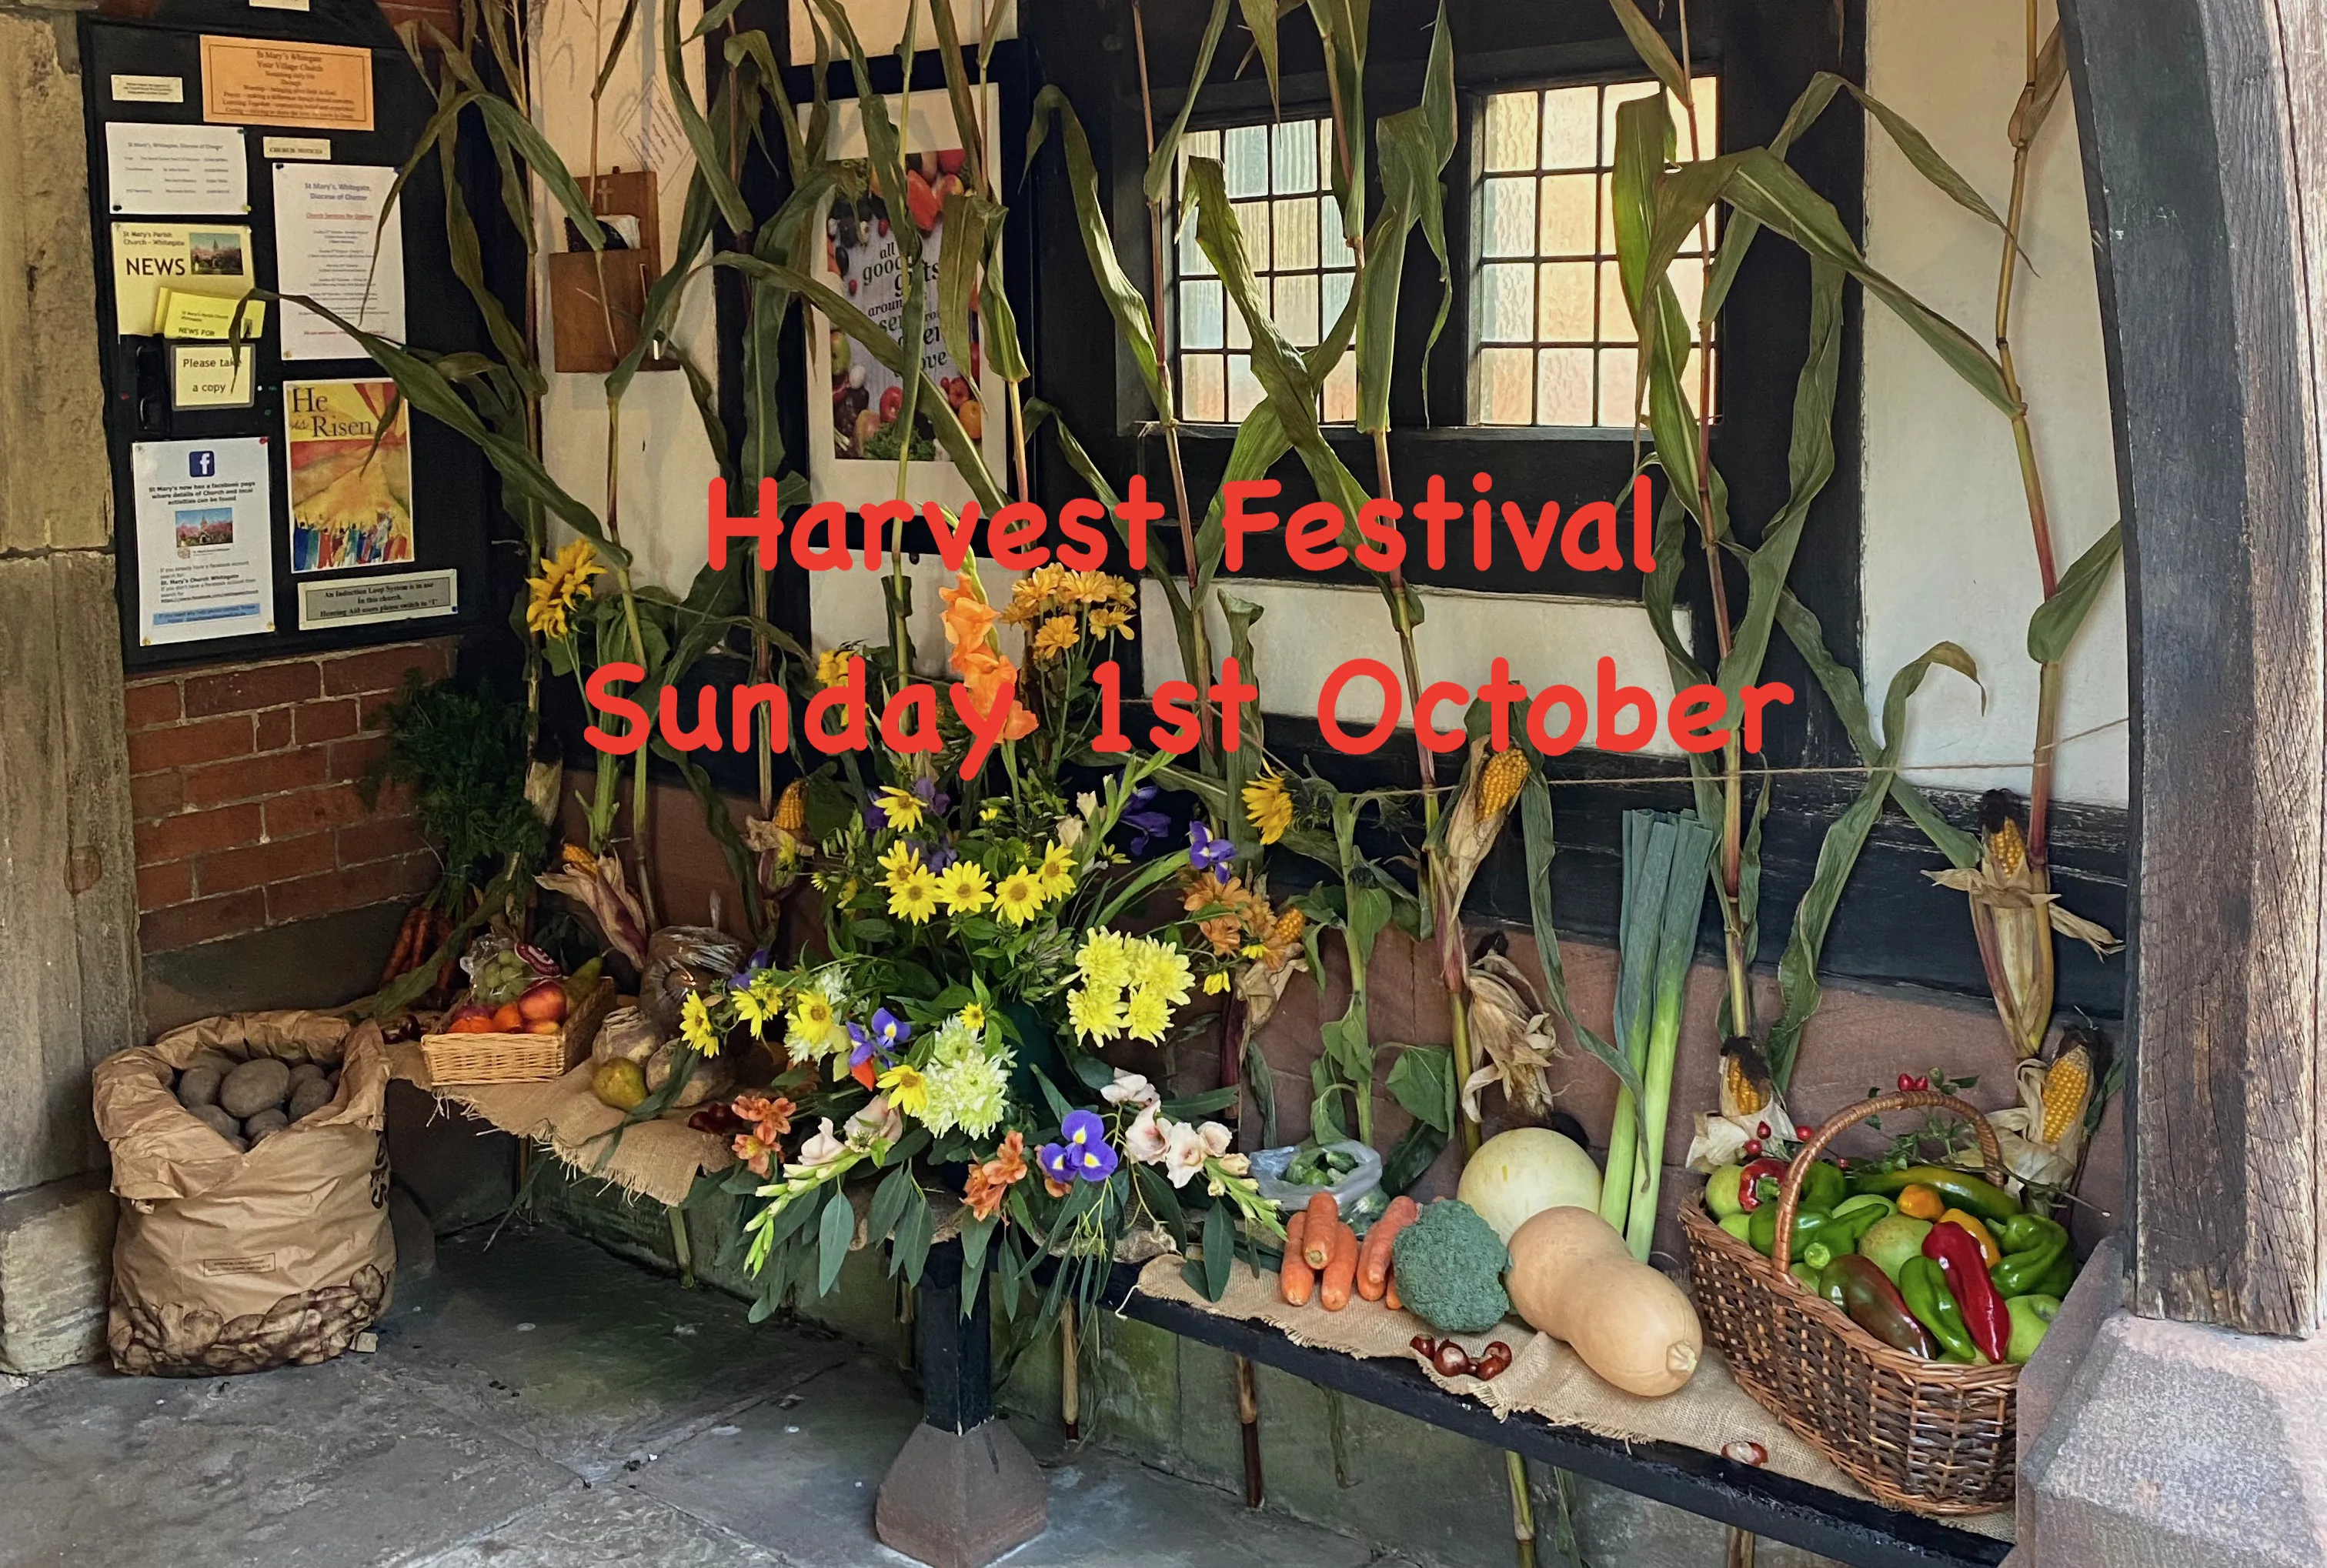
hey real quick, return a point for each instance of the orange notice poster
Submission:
(266, 81)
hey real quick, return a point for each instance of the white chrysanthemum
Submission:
(966, 1091)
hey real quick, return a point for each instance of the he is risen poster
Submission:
(350, 480)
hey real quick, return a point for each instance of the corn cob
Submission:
(1506, 772)
(791, 809)
(2068, 1088)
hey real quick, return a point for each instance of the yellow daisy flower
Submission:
(909, 1091)
(813, 1026)
(902, 807)
(914, 897)
(900, 861)
(1269, 806)
(1216, 984)
(965, 887)
(695, 1025)
(1018, 897)
(755, 1006)
(973, 1019)
(1057, 871)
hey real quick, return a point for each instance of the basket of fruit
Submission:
(520, 1022)
(1882, 1315)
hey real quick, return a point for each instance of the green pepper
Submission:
(1874, 1201)
(1846, 1225)
(2057, 1283)
(1764, 1227)
(1862, 1290)
(2022, 1268)
(2024, 1233)
(1823, 1187)
(1960, 1189)
(1926, 1293)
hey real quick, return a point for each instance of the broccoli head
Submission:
(1449, 1268)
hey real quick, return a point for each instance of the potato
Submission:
(254, 1086)
(309, 1095)
(216, 1060)
(265, 1126)
(305, 1070)
(218, 1121)
(199, 1086)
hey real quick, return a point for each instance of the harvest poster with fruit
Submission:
(350, 480)
(856, 431)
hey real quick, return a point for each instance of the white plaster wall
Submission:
(1947, 551)
(667, 463)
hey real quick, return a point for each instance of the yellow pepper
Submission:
(1988, 1251)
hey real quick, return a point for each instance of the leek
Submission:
(1666, 859)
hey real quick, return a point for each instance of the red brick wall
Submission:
(242, 781)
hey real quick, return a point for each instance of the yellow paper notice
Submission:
(266, 81)
(187, 258)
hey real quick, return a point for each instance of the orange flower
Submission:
(772, 1118)
(990, 1182)
(987, 675)
(969, 621)
(753, 1152)
(1055, 1188)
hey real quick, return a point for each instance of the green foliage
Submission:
(462, 750)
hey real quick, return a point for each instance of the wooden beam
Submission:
(2204, 128)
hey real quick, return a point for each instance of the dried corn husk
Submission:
(781, 839)
(1468, 832)
(1748, 1102)
(2028, 1153)
(1513, 1035)
(2013, 914)
(598, 885)
(1262, 987)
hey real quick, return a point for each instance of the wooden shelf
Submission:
(1854, 1530)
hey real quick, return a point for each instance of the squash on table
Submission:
(1572, 1277)
(1517, 1174)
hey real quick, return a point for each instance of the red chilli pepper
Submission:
(1956, 1252)
(1749, 1196)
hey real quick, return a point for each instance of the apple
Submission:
(2030, 1317)
(1721, 1192)
(543, 1002)
(543, 1026)
(892, 403)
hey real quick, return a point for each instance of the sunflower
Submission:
(1018, 896)
(563, 582)
(914, 897)
(965, 887)
(1269, 806)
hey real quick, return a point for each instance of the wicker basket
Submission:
(1930, 1436)
(515, 1059)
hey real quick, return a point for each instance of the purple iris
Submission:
(888, 1032)
(752, 969)
(875, 819)
(1081, 1154)
(1207, 852)
(1146, 823)
(936, 856)
(926, 790)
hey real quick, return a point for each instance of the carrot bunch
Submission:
(1323, 1257)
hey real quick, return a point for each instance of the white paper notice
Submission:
(326, 220)
(205, 553)
(175, 168)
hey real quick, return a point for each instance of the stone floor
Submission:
(538, 1404)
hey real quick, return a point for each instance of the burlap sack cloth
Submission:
(1545, 1378)
(657, 1159)
(236, 1263)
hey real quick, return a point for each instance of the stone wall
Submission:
(244, 780)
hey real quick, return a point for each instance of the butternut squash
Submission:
(1572, 1277)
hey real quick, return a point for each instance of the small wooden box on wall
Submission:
(598, 297)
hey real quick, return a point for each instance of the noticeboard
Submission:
(272, 495)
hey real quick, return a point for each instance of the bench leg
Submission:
(963, 1490)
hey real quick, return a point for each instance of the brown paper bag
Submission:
(228, 1261)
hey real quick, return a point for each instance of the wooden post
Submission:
(2204, 127)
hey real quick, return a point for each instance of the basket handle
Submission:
(1790, 1191)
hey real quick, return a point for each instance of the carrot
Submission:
(1295, 1279)
(1373, 1257)
(399, 957)
(1317, 1238)
(1390, 1292)
(1341, 1269)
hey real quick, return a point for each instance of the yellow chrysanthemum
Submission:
(902, 807)
(1162, 968)
(1102, 960)
(1216, 984)
(1058, 635)
(1018, 897)
(900, 861)
(1145, 1014)
(965, 887)
(1113, 621)
(832, 667)
(908, 1090)
(1269, 806)
(564, 582)
(1057, 871)
(695, 1025)
(1096, 1012)
(914, 898)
